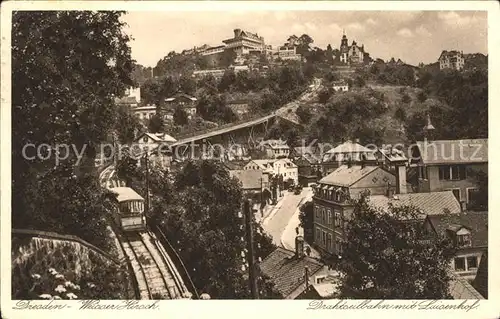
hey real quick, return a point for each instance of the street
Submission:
(277, 222)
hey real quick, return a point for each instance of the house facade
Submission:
(450, 165)
(340, 86)
(284, 167)
(451, 60)
(245, 42)
(275, 148)
(151, 141)
(351, 54)
(184, 101)
(145, 113)
(469, 232)
(331, 201)
(289, 53)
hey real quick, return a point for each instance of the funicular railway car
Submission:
(129, 209)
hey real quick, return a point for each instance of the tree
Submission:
(384, 256)
(67, 67)
(306, 219)
(421, 96)
(156, 124)
(400, 114)
(202, 222)
(127, 125)
(324, 95)
(359, 81)
(228, 57)
(180, 116)
(406, 98)
(303, 113)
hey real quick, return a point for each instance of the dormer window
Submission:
(463, 238)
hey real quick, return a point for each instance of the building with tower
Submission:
(449, 165)
(351, 54)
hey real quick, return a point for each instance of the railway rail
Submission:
(157, 277)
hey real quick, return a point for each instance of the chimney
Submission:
(237, 32)
(299, 247)
(401, 179)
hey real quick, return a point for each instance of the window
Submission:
(329, 217)
(316, 209)
(337, 219)
(472, 195)
(329, 242)
(145, 139)
(464, 240)
(323, 235)
(318, 234)
(471, 262)
(320, 279)
(452, 172)
(323, 216)
(460, 264)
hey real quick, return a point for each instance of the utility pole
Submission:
(251, 254)
(261, 196)
(146, 164)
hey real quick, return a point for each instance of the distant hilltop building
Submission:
(351, 54)
(132, 97)
(244, 42)
(451, 60)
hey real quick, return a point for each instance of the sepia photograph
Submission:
(232, 154)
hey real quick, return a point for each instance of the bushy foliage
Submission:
(203, 223)
(156, 124)
(60, 276)
(348, 113)
(462, 110)
(384, 256)
(67, 68)
(306, 220)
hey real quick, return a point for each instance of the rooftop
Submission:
(347, 176)
(481, 281)
(178, 95)
(274, 144)
(125, 194)
(453, 151)
(476, 222)
(159, 137)
(460, 288)
(126, 100)
(287, 271)
(235, 165)
(429, 203)
(250, 179)
(350, 147)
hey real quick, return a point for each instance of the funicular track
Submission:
(156, 277)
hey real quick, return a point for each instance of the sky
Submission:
(412, 36)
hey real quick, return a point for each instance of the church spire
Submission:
(428, 129)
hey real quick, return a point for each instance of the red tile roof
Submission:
(286, 271)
